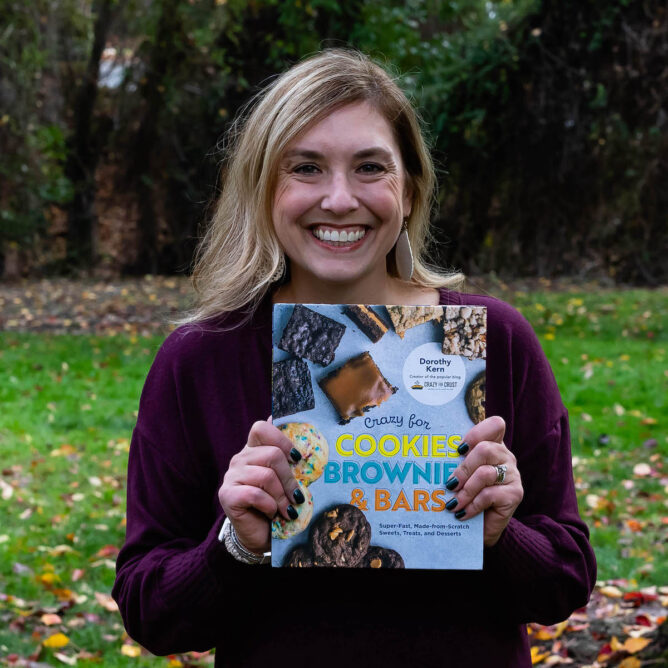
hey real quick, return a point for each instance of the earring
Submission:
(403, 254)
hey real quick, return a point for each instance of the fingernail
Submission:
(460, 513)
(452, 504)
(452, 483)
(463, 448)
(292, 513)
(295, 454)
(298, 496)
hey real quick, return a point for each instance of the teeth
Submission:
(339, 237)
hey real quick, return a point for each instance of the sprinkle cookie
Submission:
(282, 528)
(313, 448)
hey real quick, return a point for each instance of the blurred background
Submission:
(547, 119)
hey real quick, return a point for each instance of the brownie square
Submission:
(356, 387)
(311, 335)
(367, 320)
(292, 391)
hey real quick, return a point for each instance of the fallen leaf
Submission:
(642, 469)
(630, 662)
(47, 579)
(106, 601)
(131, 650)
(633, 645)
(50, 618)
(611, 591)
(551, 632)
(107, 551)
(536, 656)
(7, 490)
(69, 660)
(56, 641)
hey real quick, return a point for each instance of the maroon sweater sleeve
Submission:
(543, 558)
(173, 575)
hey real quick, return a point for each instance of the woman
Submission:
(327, 174)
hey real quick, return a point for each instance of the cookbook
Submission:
(376, 400)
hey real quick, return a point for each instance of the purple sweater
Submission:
(178, 589)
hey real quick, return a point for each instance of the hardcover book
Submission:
(376, 399)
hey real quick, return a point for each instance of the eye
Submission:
(370, 168)
(308, 168)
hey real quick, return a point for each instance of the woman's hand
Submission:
(259, 484)
(474, 481)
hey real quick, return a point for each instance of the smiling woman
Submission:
(328, 180)
(334, 144)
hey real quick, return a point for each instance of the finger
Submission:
(265, 478)
(242, 498)
(470, 508)
(273, 459)
(482, 478)
(503, 498)
(491, 429)
(485, 452)
(263, 433)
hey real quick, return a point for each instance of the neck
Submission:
(382, 289)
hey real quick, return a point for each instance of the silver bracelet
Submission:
(228, 536)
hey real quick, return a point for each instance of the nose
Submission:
(339, 197)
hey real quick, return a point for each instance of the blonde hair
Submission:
(239, 257)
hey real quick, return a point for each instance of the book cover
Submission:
(377, 399)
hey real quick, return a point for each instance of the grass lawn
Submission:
(68, 406)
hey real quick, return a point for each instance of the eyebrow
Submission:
(316, 155)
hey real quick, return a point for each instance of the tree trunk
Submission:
(84, 149)
(163, 54)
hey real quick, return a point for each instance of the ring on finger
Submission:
(500, 473)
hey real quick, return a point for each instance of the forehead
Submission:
(350, 129)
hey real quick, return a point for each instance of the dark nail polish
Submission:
(452, 483)
(463, 448)
(295, 454)
(298, 496)
(460, 513)
(452, 504)
(292, 513)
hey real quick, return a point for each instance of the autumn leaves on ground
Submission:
(73, 358)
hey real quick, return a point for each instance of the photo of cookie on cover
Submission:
(314, 454)
(340, 537)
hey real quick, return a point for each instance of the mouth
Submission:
(333, 236)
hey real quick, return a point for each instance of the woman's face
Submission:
(340, 200)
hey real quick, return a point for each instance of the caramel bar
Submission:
(356, 387)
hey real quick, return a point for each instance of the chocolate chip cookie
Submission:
(301, 557)
(381, 557)
(341, 536)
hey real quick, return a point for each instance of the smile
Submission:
(333, 235)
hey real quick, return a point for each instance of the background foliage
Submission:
(547, 120)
